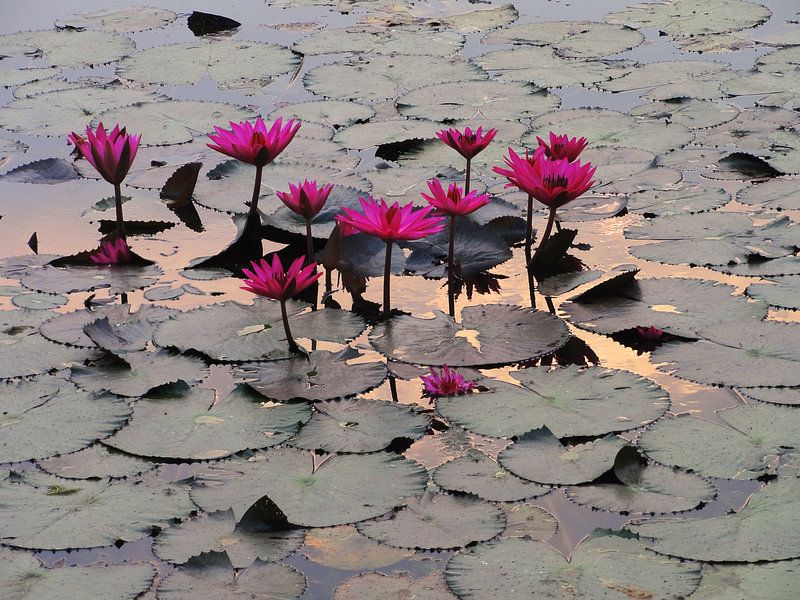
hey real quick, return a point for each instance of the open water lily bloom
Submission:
(562, 147)
(272, 281)
(467, 143)
(392, 223)
(253, 143)
(111, 153)
(454, 201)
(305, 199)
(446, 382)
(112, 252)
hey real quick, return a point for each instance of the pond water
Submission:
(162, 457)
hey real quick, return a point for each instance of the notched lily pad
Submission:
(95, 462)
(343, 547)
(372, 586)
(118, 279)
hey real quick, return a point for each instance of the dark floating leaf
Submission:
(202, 23)
(48, 171)
(487, 335)
(177, 191)
(361, 255)
(33, 243)
(119, 339)
(245, 248)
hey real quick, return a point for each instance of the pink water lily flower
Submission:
(111, 252)
(562, 146)
(305, 199)
(110, 153)
(467, 143)
(447, 382)
(254, 143)
(453, 201)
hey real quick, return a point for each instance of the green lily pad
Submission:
(780, 193)
(748, 442)
(332, 113)
(342, 489)
(67, 48)
(487, 335)
(655, 74)
(605, 566)
(194, 426)
(14, 77)
(528, 521)
(781, 395)
(242, 332)
(380, 40)
(783, 292)
(570, 401)
(438, 521)
(689, 112)
(23, 577)
(245, 542)
(359, 425)
(539, 456)
(344, 548)
(127, 20)
(376, 133)
(376, 586)
(119, 279)
(95, 462)
(475, 473)
(763, 581)
(766, 528)
(38, 301)
(684, 198)
(46, 512)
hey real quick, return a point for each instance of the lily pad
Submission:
(127, 20)
(689, 112)
(241, 332)
(50, 416)
(23, 577)
(605, 565)
(380, 40)
(476, 473)
(762, 581)
(438, 521)
(48, 171)
(376, 586)
(194, 426)
(67, 48)
(119, 279)
(748, 442)
(783, 292)
(570, 401)
(245, 542)
(38, 301)
(46, 512)
(342, 489)
(539, 456)
(232, 64)
(377, 133)
(751, 354)
(359, 425)
(95, 462)
(644, 488)
(684, 198)
(487, 335)
(332, 113)
(528, 521)
(789, 396)
(780, 193)
(343, 547)
(767, 528)
(676, 305)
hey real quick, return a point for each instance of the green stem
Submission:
(292, 344)
(387, 271)
(451, 279)
(118, 204)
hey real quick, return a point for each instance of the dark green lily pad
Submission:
(570, 401)
(359, 425)
(193, 426)
(437, 521)
(605, 565)
(539, 456)
(46, 512)
(343, 547)
(644, 488)
(342, 489)
(95, 462)
(766, 528)
(476, 473)
(244, 542)
(50, 416)
(240, 332)
(684, 198)
(748, 442)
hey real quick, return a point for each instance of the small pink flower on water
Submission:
(454, 202)
(551, 182)
(305, 199)
(272, 281)
(110, 153)
(651, 334)
(114, 252)
(391, 223)
(447, 382)
(467, 143)
(254, 144)
(562, 147)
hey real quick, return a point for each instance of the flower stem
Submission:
(387, 273)
(292, 344)
(310, 255)
(451, 278)
(547, 230)
(529, 226)
(118, 204)
(466, 180)
(256, 191)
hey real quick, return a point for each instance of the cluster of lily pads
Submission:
(414, 454)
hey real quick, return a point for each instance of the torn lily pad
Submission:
(195, 426)
(243, 332)
(95, 462)
(749, 441)
(487, 335)
(437, 521)
(569, 401)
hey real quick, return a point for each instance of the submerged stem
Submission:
(451, 279)
(387, 270)
(288, 332)
(118, 204)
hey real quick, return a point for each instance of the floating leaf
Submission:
(762, 581)
(127, 20)
(539, 456)
(379, 40)
(683, 199)
(766, 528)
(528, 521)
(377, 133)
(95, 462)
(790, 396)
(38, 301)
(332, 113)
(46, 171)
(780, 193)
(67, 48)
(783, 292)
(343, 489)
(487, 335)
(689, 112)
(344, 548)
(66, 280)
(438, 521)
(377, 586)
(570, 401)
(605, 565)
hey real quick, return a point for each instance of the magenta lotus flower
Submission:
(391, 223)
(467, 143)
(650, 334)
(454, 202)
(305, 199)
(562, 147)
(111, 154)
(447, 382)
(273, 282)
(111, 252)
(254, 144)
